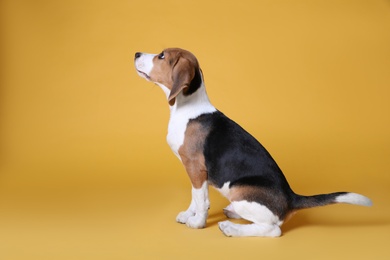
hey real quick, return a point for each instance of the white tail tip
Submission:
(354, 198)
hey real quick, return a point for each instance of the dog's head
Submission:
(175, 70)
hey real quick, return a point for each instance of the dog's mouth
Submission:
(143, 74)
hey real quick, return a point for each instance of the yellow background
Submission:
(85, 172)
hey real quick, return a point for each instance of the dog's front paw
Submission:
(197, 221)
(183, 216)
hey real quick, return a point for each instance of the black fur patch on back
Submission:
(233, 155)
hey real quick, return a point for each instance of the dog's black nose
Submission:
(137, 55)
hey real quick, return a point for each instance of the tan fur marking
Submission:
(191, 153)
(274, 201)
(163, 68)
(244, 192)
(240, 192)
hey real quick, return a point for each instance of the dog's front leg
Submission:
(196, 214)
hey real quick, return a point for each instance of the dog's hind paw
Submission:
(227, 228)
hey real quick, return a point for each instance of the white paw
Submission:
(227, 228)
(183, 216)
(197, 221)
(253, 230)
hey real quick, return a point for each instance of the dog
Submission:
(217, 151)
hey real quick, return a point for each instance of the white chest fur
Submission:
(186, 108)
(176, 130)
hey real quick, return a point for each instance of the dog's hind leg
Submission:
(231, 229)
(265, 223)
(230, 213)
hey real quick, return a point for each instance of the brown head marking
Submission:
(177, 71)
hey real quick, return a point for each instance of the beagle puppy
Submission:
(217, 151)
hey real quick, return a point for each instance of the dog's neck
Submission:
(198, 98)
(197, 103)
(186, 107)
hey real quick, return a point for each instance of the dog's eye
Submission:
(161, 56)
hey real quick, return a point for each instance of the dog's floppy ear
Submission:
(182, 75)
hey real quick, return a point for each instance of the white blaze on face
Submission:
(144, 65)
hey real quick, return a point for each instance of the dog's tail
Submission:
(303, 202)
